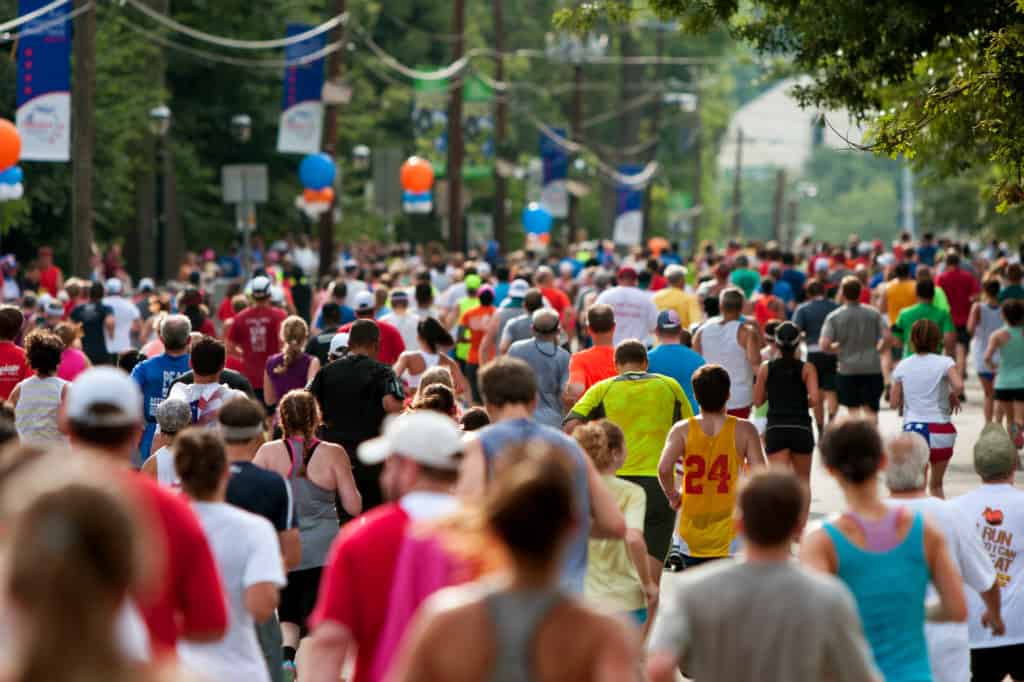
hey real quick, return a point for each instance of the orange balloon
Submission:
(318, 196)
(417, 175)
(10, 144)
(326, 195)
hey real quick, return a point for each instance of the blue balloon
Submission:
(317, 171)
(11, 176)
(537, 219)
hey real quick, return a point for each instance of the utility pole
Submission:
(778, 205)
(455, 141)
(790, 237)
(659, 48)
(335, 65)
(576, 135)
(698, 165)
(500, 127)
(737, 186)
(83, 138)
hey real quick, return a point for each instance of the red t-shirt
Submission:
(257, 331)
(476, 321)
(48, 278)
(188, 598)
(557, 298)
(13, 368)
(391, 343)
(226, 311)
(207, 328)
(357, 580)
(766, 308)
(960, 288)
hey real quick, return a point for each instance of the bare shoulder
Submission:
(746, 429)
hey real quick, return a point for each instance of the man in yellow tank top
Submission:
(712, 449)
(896, 295)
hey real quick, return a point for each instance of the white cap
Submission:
(114, 286)
(104, 386)
(364, 301)
(259, 287)
(821, 265)
(277, 295)
(146, 284)
(427, 437)
(483, 268)
(54, 309)
(338, 344)
(518, 288)
(675, 271)
(44, 300)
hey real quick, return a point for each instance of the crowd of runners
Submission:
(433, 466)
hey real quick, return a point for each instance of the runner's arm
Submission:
(291, 547)
(697, 338)
(261, 600)
(993, 617)
(473, 472)
(328, 647)
(15, 394)
(489, 344)
(760, 390)
(956, 387)
(896, 395)
(345, 483)
(675, 446)
(952, 606)
(811, 382)
(269, 394)
(753, 449)
(618, 654)
(149, 467)
(995, 342)
(973, 318)
(817, 552)
(607, 521)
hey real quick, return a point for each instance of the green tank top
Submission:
(1011, 360)
(462, 345)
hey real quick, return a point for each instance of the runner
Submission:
(986, 318)
(433, 341)
(790, 388)
(509, 309)
(740, 634)
(743, 277)
(401, 318)
(635, 312)
(319, 344)
(97, 320)
(675, 297)
(521, 327)
(906, 476)
(900, 293)
(391, 344)
(292, 368)
(1012, 289)
(925, 391)
(255, 333)
(856, 333)
(735, 344)
(206, 394)
(672, 358)
(156, 375)
(550, 364)
(961, 289)
(473, 325)
(713, 449)
(13, 363)
(127, 320)
(38, 399)
(1008, 342)
(172, 416)
(594, 364)
(524, 627)
(885, 556)
(810, 319)
(924, 309)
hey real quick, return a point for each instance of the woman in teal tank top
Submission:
(885, 555)
(1008, 342)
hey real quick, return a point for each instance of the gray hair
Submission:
(908, 460)
(545, 323)
(175, 331)
(173, 415)
(675, 274)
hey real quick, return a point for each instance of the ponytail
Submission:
(294, 333)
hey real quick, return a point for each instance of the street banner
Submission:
(478, 128)
(44, 83)
(431, 98)
(554, 193)
(629, 209)
(302, 109)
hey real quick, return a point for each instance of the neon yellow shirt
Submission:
(685, 305)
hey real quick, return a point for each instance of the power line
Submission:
(46, 25)
(25, 18)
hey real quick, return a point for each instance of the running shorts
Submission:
(660, 519)
(995, 663)
(1010, 395)
(739, 412)
(797, 438)
(963, 337)
(825, 364)
(941, 438)
(860, 390)
(298, 597)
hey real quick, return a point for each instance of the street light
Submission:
(159, 125)
(241, 130)
(241, 127)
(160, 120)
(361, 157)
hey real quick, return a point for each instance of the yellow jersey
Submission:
(899, 294)
(710, 479)
(684, 303)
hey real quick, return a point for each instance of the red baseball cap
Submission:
(627, 272)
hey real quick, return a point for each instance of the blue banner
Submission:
(629, 209)
(554, 194)
(44, 83)
(301, 108)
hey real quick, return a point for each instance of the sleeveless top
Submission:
(787, 394)
(710, 471)
(989, 321)
(314, 507)
(889, 588)
(719, 347)
(35, 415)
(293, 378)
(430, 360)
(1011, 361)
(166, 474)
(516, 617)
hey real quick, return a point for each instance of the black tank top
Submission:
(787, 394)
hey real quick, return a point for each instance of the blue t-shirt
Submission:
(926, 254)
(676, 361)
(497, 437)
(784, 291)
(796, 281)
(347, 315)
(154, 377)
(500, 292)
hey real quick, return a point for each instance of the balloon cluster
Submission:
(537, 222)
(417, 179)
(10, 151)
(317, 173)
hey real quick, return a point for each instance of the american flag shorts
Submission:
(940, 437)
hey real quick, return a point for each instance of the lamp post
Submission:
(160, 125)
(241, 130)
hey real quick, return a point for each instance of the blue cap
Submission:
(668, 321)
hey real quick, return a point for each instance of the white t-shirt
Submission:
(125, 312)
(205, 400)
(997, 512)
(406, 324)
(925, 387)
(247, 552)
(635, 312)
(166, 474)
(948, 644)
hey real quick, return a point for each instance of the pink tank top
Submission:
(72, 363)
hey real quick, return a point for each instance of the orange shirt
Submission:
(476, 321)
(590, 366)
(899, 294)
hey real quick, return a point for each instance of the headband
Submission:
(240, 434)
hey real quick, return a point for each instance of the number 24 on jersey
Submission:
(697, 474)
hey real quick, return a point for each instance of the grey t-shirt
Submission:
(517, 329)
(810, 317)
(770, 622)
(857, 328)
(551, 365)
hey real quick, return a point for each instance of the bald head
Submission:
(908, 463)
(545, 324)
(544, 276)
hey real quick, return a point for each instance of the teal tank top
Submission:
(1011, 360)
(889, 588)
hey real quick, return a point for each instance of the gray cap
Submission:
(995, 455)
(173, 415)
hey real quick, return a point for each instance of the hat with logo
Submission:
(260, 287)
(146, 284)
(106, 386)
(668, 321)
(518, 288)
(114, 286)
(364, 301)
(54, 309)
(427, 437)
(339, 344)
(994, 453)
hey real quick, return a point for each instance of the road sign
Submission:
(244, 183)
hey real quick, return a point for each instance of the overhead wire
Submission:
(47, 25)
(29, 16)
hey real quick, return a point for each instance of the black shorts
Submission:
(994, 664)
(963, 337)
(1010, 395)
(860, 390)
(825, 364)
(660, 519)
(298, 597)
(695, 561)
(798, 439)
